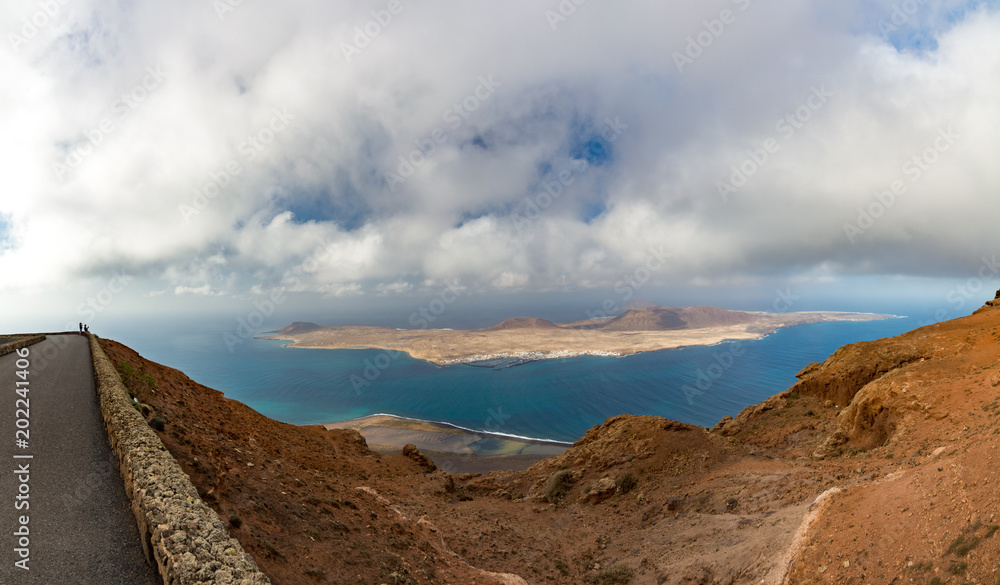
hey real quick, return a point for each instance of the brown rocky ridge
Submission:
(878, 466)
(668, 318)
(523, 323)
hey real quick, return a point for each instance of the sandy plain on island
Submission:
(641, 331)
(524, 338)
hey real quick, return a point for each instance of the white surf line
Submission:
(454, 426)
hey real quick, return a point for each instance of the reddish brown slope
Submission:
(907, 429)
(935, 415)
(301, 494)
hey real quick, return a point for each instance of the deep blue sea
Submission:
(552, 399)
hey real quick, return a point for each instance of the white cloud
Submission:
(283, 147)
(204, 291)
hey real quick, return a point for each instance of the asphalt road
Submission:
(81, 526)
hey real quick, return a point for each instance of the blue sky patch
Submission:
(593, 210)
(913, 25)
(342, 204)
(588, 145)
(6, 242)
(595, 151)
(469, 216)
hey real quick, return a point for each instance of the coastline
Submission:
(515, 346)
(445, 425)
(451, 447)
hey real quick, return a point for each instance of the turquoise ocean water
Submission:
(552, 399)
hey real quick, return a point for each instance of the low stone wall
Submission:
(180, 533)
(15, 345)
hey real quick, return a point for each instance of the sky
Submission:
(360, 161)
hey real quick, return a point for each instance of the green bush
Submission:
(562, 567)
(235, 521)
(626, 483)
(316, 573)
(158, 423)
(968, 540)
(140, 384)
(617, 575)
(558, 486)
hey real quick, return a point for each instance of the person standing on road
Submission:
(81, 328)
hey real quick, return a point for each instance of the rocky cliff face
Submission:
(898, 436)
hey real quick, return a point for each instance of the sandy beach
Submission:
(451, 448)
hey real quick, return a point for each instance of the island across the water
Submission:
(522, 339)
